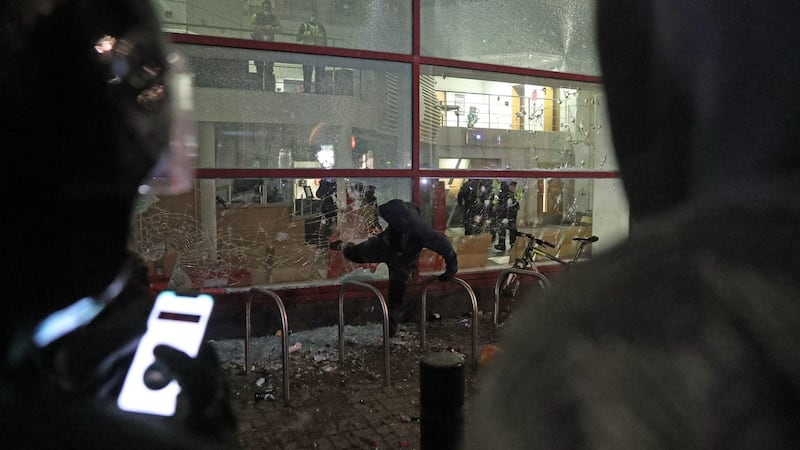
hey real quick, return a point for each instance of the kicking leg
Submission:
(397, 292)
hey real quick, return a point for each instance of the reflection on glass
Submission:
(554, 35)
(482, 120)
(358, 117)
(379, 25)
(240, 232)
(245, 231)
(484, 217)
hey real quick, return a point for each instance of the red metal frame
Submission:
(324, 292)
(415, 173)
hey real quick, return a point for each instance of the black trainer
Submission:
(336, 245)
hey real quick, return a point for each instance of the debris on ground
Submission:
(333, 402)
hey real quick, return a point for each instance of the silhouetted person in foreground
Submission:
(399, 246)
(76, 301)
(685, 336)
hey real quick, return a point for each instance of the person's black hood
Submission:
(683, 123)
(86, 114)
(400, 214)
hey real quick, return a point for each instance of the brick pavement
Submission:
(349, 407)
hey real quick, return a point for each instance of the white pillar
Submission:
(207, 189)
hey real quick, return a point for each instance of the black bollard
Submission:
(441, 391)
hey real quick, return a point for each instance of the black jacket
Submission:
(686, 334)
(407, 233)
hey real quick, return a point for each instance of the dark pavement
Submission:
(346, 405)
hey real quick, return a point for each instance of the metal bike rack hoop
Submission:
(424, 315)
(532, 273)
(384, 310)
(284, 335)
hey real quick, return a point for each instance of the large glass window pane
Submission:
(483, 216)
(554, 35)
(246, 231)
(379, 25)
(277, 110)
(486, 120)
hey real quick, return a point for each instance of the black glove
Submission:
(446, 276)
(204, 401)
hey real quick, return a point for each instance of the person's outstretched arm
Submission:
(440, 244)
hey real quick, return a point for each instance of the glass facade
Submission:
(375, 25)
(488, 120)
(263, 112)
(300, 138)
(552, 35)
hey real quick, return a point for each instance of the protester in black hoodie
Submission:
(399, 246)
(685, 336)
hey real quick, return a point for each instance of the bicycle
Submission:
(535, 246)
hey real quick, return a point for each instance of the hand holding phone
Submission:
(176, 321)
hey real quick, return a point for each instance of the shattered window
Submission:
(379, 25)
(487, 219)
(276, 110)
(297, 145)
(487, 120)
(251, 231)
(552, 35)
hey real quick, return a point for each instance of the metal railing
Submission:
(255, 293)
(544, 281)
(384, 310)
(474, 301)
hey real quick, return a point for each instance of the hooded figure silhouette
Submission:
(65, 253)
(685, 335)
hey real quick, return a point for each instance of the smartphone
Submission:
(179, 322)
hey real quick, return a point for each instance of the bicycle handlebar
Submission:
(535, 239)
(583, 240)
